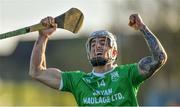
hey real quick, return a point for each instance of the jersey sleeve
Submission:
(69, 80)
(135, 75)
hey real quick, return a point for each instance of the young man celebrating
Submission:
(108, 83)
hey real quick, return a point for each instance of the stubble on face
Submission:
(100, 47)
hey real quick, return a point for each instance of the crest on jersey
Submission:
(114, 76)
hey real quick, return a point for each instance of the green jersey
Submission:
(117, 87)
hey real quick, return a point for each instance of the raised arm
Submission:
(150, 64)
(38, 70)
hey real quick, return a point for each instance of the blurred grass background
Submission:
(32, 94)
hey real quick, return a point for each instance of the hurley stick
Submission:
(71, 20)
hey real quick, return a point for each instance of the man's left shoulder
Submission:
(127, 66)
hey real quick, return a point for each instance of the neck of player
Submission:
(103, 69)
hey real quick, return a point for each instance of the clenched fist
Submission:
(50, 25)
(136, 22)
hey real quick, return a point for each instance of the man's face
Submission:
(99, 47)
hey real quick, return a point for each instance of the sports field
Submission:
(30, 94)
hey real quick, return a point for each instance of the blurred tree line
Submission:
(17, 88)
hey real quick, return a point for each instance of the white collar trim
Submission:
(102, 74)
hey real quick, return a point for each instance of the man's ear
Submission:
(114, 53)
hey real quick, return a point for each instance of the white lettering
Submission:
(112, 98)
(103, 92)
(120, 96)
(108, 99)
(100, 100)
(85, 100)
(103, 99)
(101, 83)
(96, 101)
(114, 76)
(89, 100)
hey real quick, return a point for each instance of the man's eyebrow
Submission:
(102, 39)
(93, 40)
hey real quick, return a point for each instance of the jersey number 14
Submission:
(101, 83)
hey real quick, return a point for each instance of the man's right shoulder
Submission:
(74, 73)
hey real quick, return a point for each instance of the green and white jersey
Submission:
(117, 87)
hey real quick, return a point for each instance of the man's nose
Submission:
(98, 45)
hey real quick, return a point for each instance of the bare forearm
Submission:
(149, 65)
(38, 60)
(156, 49)
(49, 76)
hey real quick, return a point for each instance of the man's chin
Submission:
(98, 61)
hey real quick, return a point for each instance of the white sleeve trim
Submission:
(61, 83)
